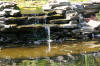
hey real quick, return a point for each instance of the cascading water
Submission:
(93, 36)
(49, 40)
(45, 19)
(36, 20)
(47, 28)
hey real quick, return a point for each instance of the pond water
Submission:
(68, 53)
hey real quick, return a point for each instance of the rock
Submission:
(66, 20)
(9, 9)
(59, 21)
(93, 23)
(92, 6)
(60, 58)
(2, 13)
(47, 7)
(61, 9)
(97, 1)
(57, 3)
(3, 26)
(14, 12)
(71, 15)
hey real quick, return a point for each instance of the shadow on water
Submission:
(68, 53)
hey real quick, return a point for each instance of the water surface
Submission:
(56, 49)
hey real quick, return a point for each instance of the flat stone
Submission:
(90, 11)
(59, 21)
(92, 6)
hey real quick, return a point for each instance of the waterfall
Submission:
(36, 19)
(47, 28)
(45, 19)
(49, 41)
(93, 36)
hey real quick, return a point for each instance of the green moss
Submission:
(29, 7)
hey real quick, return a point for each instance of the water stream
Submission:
(36, 19)
(49, 40)
(47, 28)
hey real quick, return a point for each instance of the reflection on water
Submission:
(56, 50)
(69, 53)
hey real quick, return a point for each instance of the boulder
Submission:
(9, 9)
